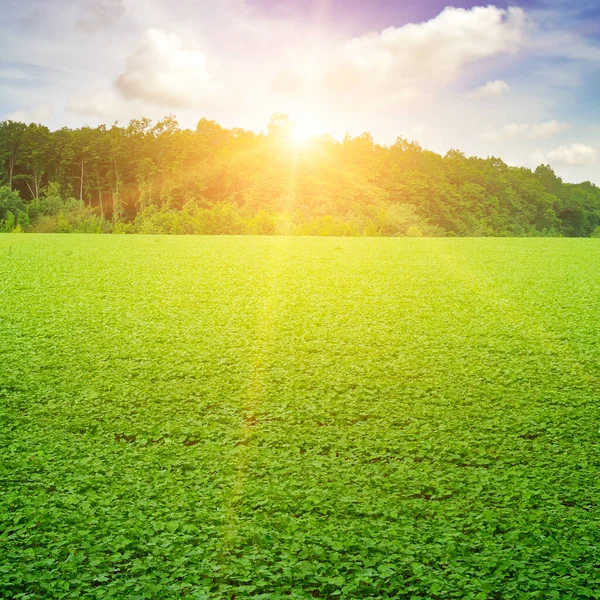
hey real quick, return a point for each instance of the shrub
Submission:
(121, 228)
(62, 224)
(11, 209)
(8, 224)
(414, 231)
(262, 223)
(45, 224)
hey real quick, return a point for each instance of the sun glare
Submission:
(302, 132)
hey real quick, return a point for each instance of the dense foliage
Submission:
(245, 417)
(158, 178)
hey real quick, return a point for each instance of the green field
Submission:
(239, 417)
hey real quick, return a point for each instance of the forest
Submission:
(160, 178)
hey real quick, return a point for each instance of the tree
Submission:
(11, 140)
(82, 148)
(37, 154)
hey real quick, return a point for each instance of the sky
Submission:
(518, 80)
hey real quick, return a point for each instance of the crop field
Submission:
(254, 417)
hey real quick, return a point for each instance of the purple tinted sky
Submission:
(358, 16)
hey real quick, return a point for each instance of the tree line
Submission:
(159, 178)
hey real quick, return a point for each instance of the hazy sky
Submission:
(519, 81)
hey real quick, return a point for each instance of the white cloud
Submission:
(38, 114)
(491, 88)
(526, 130)
(573, 155)
(547, 129)
(437, 50)
(163, 71)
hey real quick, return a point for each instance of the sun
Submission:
(300, 135)
(302, 131)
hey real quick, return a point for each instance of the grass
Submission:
(244, 417)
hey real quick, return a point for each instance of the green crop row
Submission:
(243, 417)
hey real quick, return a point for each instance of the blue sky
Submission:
(518, 80)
